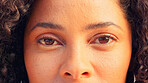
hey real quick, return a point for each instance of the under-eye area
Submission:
(104, 41)
(49, 41)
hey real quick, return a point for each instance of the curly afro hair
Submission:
(13, 18)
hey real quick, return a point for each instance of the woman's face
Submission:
(77, 41)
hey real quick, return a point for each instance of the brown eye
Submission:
(48, 41)
(103, 40)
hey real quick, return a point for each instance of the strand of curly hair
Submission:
(12, 12)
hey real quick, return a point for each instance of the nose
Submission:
(76, 65)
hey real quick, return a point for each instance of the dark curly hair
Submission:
(13, 18)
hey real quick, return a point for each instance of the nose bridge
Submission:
(77, 54)
(76, 64)
(76, 51)
(74, 57)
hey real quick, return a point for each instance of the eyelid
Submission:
(39, 41)
(101, 35)
(51, 36)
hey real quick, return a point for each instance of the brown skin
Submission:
(77, 45)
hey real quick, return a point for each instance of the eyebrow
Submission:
(59, 27)
(48, 25)
(101, 25)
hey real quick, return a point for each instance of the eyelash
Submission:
(50, 41)
(110, 38)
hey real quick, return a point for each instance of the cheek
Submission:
(113, 64)
(41, 65)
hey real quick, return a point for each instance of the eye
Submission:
(48, 41)
(104, 39)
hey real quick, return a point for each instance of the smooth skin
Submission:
(77, 41)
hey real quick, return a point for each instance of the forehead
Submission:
(76, 13)
(75, 4)
(63, 9)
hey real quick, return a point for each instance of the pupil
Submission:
(103, 40)
(48, 41)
